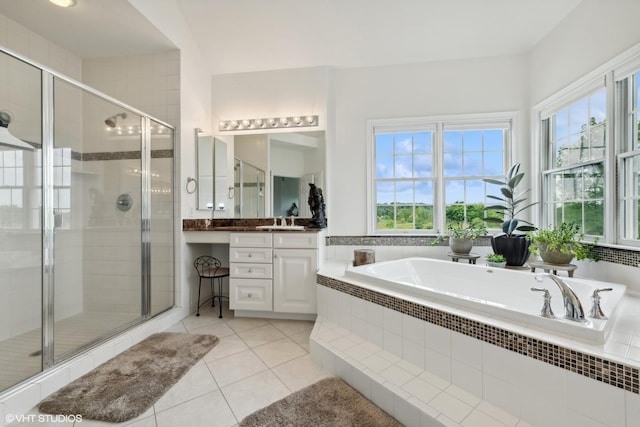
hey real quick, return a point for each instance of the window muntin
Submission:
(409, 192)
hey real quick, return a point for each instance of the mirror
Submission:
(212, 173)
(291, 161)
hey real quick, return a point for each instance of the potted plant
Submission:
(461, 237)
(559, 245)
(512, 245)
(496, 260)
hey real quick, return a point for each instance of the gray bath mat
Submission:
(327, 403)
(127, 385)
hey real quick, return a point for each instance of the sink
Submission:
(280, 227)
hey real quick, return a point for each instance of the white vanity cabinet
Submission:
(273, 272)
(251, 271)
(295, 262)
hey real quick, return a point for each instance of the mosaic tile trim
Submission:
(122, 155)
(606, 253)
(618, 256)
(597, 368)
(395, 241)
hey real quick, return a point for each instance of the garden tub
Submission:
(496, 292)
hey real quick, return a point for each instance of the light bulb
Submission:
(310, 119)
(284, 121)
(64, 3)
(246, 123)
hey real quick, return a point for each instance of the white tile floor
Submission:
(256, 363)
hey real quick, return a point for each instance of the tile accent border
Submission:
(120, 155)
(610, 254)
(395, 241)
(597, 368)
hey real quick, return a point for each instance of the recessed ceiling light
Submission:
(64, 3)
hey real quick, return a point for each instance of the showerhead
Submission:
(113, 120)
(8, 140)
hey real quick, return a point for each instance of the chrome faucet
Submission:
(572, 307)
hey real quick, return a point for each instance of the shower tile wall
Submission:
(20, 271)
(150, 82)
(21, 40)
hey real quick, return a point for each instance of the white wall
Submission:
(440, 88)
(592, 34)
(271, 94)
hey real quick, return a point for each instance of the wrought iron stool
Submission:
(209, 267)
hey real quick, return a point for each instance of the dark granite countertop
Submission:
(242, 224)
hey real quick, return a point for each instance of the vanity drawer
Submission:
(252, 255)
(250, 294)
(251, 240)
(251, 271)
(295, 240)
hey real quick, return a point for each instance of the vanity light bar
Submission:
(270, 123)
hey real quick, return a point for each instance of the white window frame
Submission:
(435, 124)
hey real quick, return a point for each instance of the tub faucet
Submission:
(572, 307)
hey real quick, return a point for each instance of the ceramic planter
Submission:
(515, 249)
(554, 257)
(460, 245)
(494, 264)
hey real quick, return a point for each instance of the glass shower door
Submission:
(161, 215)
(20, 221)
(97, 204)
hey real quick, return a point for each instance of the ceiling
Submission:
(256, 35)
(92, 28)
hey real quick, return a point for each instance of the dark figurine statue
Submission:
(316, 204)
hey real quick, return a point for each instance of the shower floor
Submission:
(20, 356)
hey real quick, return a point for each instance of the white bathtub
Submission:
(501, 293)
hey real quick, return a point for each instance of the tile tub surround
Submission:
(611, 370)
(412, 395)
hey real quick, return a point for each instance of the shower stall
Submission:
(86, 218)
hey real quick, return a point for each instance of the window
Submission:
(62, 186)
(574, 179)
(11, 186)
(404, 180)
(628, 93)
(590, 153)
(428, 175)
(469, 157)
